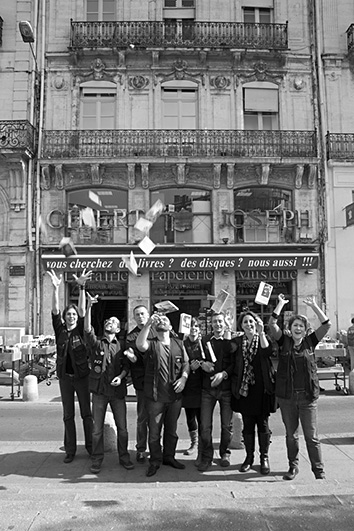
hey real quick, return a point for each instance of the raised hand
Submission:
(281, 298)
(56, 280)
(83, 278)
(310, 301)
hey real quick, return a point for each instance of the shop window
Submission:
(97, 216)
(263, 215)
(100, 10)
(260, 106)
(98, 107)
(179, 108)
(186, 219)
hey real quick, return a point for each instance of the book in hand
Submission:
(185, 321)
(220, 301)
(166, 307)
(67, 247)
(263, 294)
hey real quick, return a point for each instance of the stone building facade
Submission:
(213, 108)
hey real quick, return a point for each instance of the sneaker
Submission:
(204, 465)
(225, 460)
(128, 465)
(69, 458)
(140, 457)
(95, 467)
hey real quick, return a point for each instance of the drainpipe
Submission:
(38, 169)
(319, 120)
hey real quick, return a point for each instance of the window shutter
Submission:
(261, 100)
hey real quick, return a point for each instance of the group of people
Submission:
(233, 369)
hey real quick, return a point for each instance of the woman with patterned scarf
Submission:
(253, 385)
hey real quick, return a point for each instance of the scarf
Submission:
(248, 353)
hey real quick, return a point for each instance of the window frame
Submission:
(101, 12)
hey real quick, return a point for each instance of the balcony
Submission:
(350, 38)
(17, 135)
(176, 34)
(340, 146)
(177, 143)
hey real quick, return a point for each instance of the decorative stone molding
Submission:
(299, 175)
(131, 176)
(45, 182)
(217, 175)
(59, 177)
(180, 72)
(179, 172)
(138, 82)
(230, 176)
(220, 82)
(299, 83)
(17, 174)
(311, 180)
(263, 175)
(59, 83)
(260, 72)
(96, 177)
(145, 176)
(99, 72)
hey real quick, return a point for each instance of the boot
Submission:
(194, 442)
(264, 442)
(199, 459)
(248, 439)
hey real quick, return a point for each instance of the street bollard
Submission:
(30, 388)
(109, 433)
(351, 382)
(237, 440)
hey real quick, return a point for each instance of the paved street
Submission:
(41, 493)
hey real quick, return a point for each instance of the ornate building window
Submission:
(260, 106)
(257, 15)
(97, 216)
(179, 108)
(263, 215)
(186, 219)
(98, 106)
(100, 10)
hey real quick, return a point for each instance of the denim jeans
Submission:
(209, 400)
(300, 408)
(141, 421)
(162, 415)
(68, 387)
(119, 410)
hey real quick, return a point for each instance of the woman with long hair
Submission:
(253, 386)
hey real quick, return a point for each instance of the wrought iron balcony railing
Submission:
(175, 34)
(350, 38)
(17, 135)
(340, 146)
(177, 143)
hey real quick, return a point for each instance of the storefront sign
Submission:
(270, 275)
(178, 262)
(349, 215)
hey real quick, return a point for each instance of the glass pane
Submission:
(89, 122)
(92, 10)
(267, 121)
(187, 3)
(249, 15)
(170, 3)
(265, 16)
(107, 122)
(250, 122)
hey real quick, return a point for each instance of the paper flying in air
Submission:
(131, 263)
(146, 245)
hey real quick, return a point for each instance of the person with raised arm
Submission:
(253, 387)
(109, 368)
(72, 365)
(166, 373)
(297, 387)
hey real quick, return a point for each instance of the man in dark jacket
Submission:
(216, 387)
(109, 368)
(167, 370)
(137, 371)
